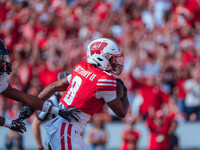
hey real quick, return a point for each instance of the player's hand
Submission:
(25, 112)
(69, 114)
(122, 83)
(18, 126)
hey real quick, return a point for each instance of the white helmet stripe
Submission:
(106, 84)
(106, 80)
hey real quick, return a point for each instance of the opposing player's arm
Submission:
(37, 133)
(39, 104)
(60, 85)
(13, 124)
(27, 99)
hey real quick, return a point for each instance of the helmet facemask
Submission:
(116, 64)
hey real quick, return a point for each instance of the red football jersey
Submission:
(86, 80)
(159, 136)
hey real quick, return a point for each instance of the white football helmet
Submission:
(106, 55)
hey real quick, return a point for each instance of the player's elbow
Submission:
(121, 114)
(120, 108)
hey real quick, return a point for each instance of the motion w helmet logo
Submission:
(97, 47)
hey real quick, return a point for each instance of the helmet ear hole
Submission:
(100, 59)
(110, 60)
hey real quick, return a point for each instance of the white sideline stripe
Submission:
(106, 84)
(106, 80)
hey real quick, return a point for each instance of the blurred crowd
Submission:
(159, 38)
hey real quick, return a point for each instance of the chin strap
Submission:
(94, 62)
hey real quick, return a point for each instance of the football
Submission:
(119, 90)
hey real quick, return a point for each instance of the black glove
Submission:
(69, 113)
(122, 83)
(18, 126)
(25, 112)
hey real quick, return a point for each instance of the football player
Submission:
(41, 117)
(12, 93)
(89, 87)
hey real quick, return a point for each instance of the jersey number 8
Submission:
(75, 85)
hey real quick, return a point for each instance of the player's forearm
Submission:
(123, 99)
(60, 85)
(119, 107)
(123, 108)
(47, 92)
(35, 102)
(27, 99)
(125, 103)
(30, 100)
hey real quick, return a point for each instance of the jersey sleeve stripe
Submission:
(106, 80)
(106, 84)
